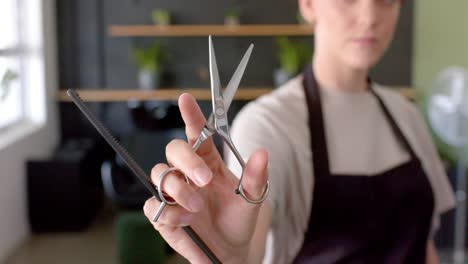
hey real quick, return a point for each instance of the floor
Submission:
(94, 246)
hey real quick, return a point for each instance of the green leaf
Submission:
(151, 58)
(293, 55)
(232, 13)
(161, 16)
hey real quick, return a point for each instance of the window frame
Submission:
(17, 51)
(38, 51)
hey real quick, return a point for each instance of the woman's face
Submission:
(353, 32)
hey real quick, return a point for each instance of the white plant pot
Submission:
(231, 21)
(148, 80)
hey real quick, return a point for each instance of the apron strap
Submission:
(393, 124)
(316, 124)
(317, 128)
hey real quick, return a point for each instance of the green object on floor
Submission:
(137, 241)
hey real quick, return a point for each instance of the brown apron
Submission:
(382, 218)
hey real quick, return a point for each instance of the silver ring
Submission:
(240, 191)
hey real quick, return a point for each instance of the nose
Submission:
(369, 13)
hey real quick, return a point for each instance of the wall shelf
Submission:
(215, 30)
(108, 95)
(167, 94)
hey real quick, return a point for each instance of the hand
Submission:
(223, 219)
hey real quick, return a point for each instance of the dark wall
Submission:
(99, 59)
(90, 58)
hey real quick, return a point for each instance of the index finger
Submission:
(194, 122)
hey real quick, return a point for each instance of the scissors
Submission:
(218, 124)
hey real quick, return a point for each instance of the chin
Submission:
(362, 61)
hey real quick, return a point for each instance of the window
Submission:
(22, 63)
(11, 64)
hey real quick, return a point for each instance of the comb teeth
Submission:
(124, 154)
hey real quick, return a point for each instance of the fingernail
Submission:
(202, 175)
(196, 203)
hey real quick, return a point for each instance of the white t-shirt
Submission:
(359, 139)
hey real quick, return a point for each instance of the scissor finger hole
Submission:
(266, 191)
(165, 198)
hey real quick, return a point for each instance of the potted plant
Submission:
(292, 56)
(150, 62)
(8, 77)
(161, 17)
(232, 17)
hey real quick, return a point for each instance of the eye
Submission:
(348, 2)
(389, 2)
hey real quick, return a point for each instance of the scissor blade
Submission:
(233, 84)
(214, 76)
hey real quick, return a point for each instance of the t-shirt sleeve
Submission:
(253, 129)
(443, 194)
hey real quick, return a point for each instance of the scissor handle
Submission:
(162, 197)
(188, 230)
(205, 134)
(240, 189)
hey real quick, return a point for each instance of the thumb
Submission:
(256, 174)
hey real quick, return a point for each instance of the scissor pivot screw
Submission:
(219, 111)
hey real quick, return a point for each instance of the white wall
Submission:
(38, 141)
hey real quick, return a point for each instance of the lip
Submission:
(365, 41)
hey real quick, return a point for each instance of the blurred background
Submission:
(64, 195)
